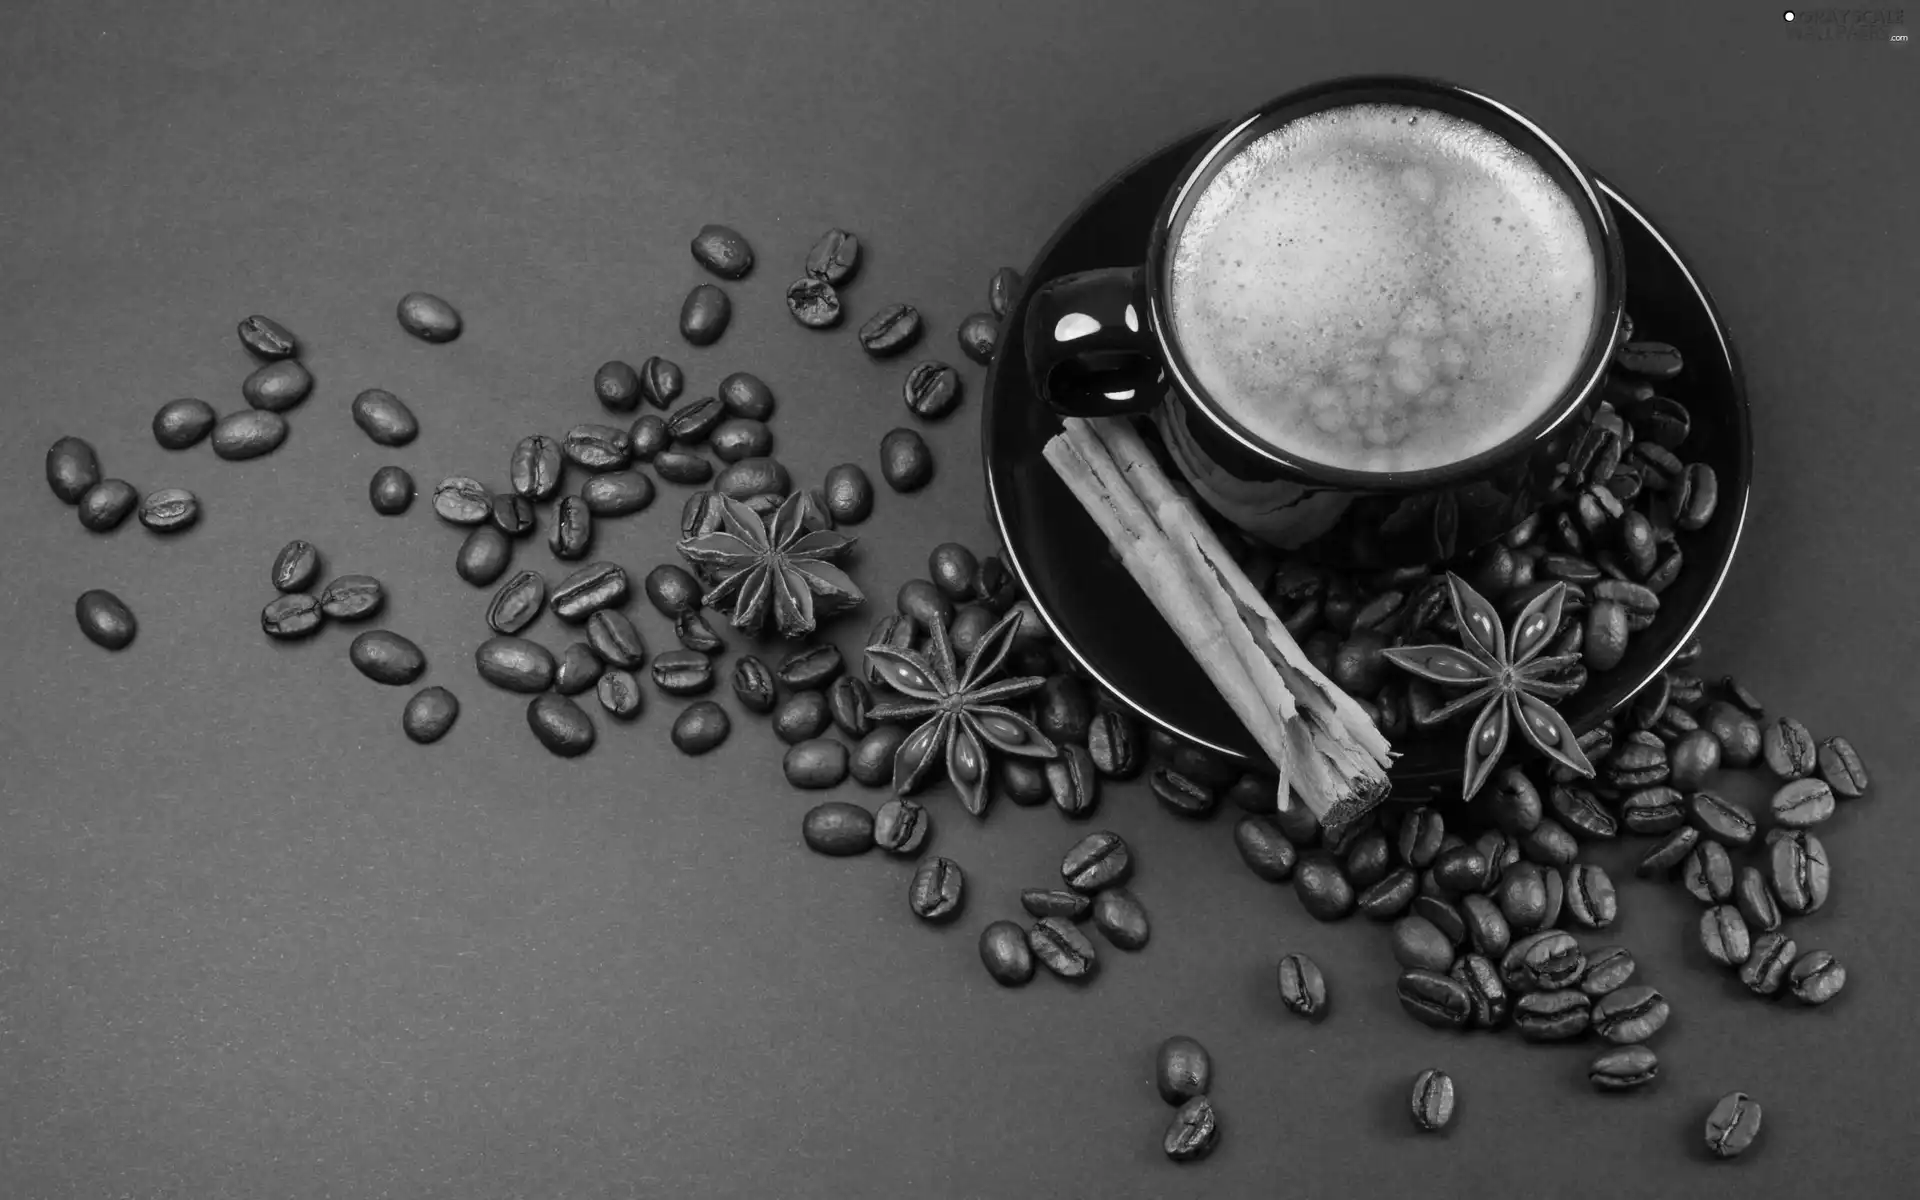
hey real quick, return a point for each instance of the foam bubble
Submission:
(1387, 253)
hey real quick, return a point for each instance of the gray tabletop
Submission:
(254, 943)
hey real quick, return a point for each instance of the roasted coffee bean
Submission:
(1303, 828)
(1549, 844)
(617, 386)
(810, 667)
(1789, 749)
(891, 629)
(695, 420)
(1063, 709)
(429, 715)
(428, 318)
(1417, 945)
(901, 826)
(1591, 900)
(704, 315)
(1707, 873)
(1544, 961)
(1432, 1101)
(1435, 999)
(700, 515)
(1487, 929)
(1004, 952)
(384, 418)
(932, 390)
(849, 699)
(483, 556)
(277, 386)
(906, 463)
(838, 828)
(352, 598)
(512, 514)
(1669, 854)
(1722, 820)
(1697, 496)
(1369, 859)
(1840, 766)
(1194, 1133)
(849, 494)
(1042, 902)
(672, 590)
(922, 602)
(1817, 977)
(1754, 896)
(1608, 969)
(1674, 724)
(979, 334)
(1502, 851)
(1324, 892)
(1303, 989)
(1725, 936)
(872, 763)
(1096, 861)
(696, 634)
(751, 477)
(105, 619)
(1072, 782)
(1063, 949)
(1694, 756)
(562, 726)
(740, 438)
(1485, 991)
(816, 763)
(1629, 1014)
(1765, 970)
(515, 664)
(1799, 871)
(1182, 1070)
(535, 469)
(296, 567)
(1623, 1068)
(700, 727)
(1636, 764)
(462, 501)
(385, 657)
(619, 694)
(1390, 897)
(801, 716)
(723, 251)
(683, 673)
(753, 684)
(1421, 832)
(1802, 804)
(1113, 741)
(1579, 810)
(598, 447)
(890, 331)
(1002, 290)
(1513, 801)
(249, 433)
(517, 603)
(1121, 918)
(291, 616)
(1207, 767)
(579, 669)
(266, 338)
(661, 381)
(571, 534)
(182, 423)
(1265, 850)
(1556, 1016)
(1523, 897)
(1732, 1125)
(834, 258)
(813, 303)
(619, 494)
(648, 436)
(1606, 636)
(1187, 797)
(1653, 810)
(1460, 869)
(954, 570)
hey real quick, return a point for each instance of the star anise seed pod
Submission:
(780, 565)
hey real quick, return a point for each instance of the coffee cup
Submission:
(1378, 306)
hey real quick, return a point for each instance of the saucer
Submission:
(1106, 622)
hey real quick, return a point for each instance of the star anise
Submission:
(780, 564)
(961, 711)
(1510, 679)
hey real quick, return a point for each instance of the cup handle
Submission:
(1089, 351)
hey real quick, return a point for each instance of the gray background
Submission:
(253, 943)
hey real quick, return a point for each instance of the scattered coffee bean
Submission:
(384, 418)
(1590, 896)
(1789, 750)
(1799, 871)
(1555, 1016)
(1267, 852)
(1487, 929)
(72, 469)
(385, 657)
(1765, 970)
(1694, 756)
(704, 315)
(890, 331)
(617, 386)
(1669, 854)
(619, 494)
(1653, 810)
(801, 716)
(1004, 952)
(701, 726)
(429, 714)
(1723, 820)
(1707, 874)
(1435, 999)
(182, 423)
(105, 619)
(535, 469)
(1629, 1014)
(266, 338)
(932, 390)
(1608, 969)
(619, 694)
(1421, 833)
(955, 572)
(597, 447)
(695, 420)
(813, 303)
(901, 826)
(1118, 914)
(681, 467)
(834, 258)
(1063, 949)
(723, 251)
(1432, 1101)
(683, 673)
(1324, 892)
(922, 603)
(661, 381)
(1194, 1133)
(872, 764)
(838, 828)
(849, 700)
(169, 510)
(1724, 935)
(515, 664)
(1732, 1125)
(1817, 977)
(571, 534)
(578, 671)
(810, 667)
(1580, 811)
(277, 386)
(483, 556)
(352, 598)
(1390, 897)
(1802, 804)
(1113, 741)
(1063, 709)
(1303, 989)
(390, 491)
(906, 463)
(462, 501)
(249, 433)
(978, 334)
(1184, 796)
(1486, 993)
(1442, 915)
(292, 616)
(1755, 900)
(1042, 902)
(1549, 844)
(849, 494)
(429, 318)
(672, 590)
(517, 603)
(740, 438)
(1544, 961)
(1513, 802)
(1460, 869)
(937, 890)
(1182, 1070)
(614, 639)
(1073, 783)
(648, 436)
(1840, 766)
(753, 684)
(696, 634)
(296, 567)
(1635, 764)
(1096, 861)
(562, 726)
(752, 477)
(1623, 1068)
(1002, 290)
(1419, 946)
(816, 763)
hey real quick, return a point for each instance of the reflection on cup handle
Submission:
(1090, 352)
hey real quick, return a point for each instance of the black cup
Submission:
(1102, 343)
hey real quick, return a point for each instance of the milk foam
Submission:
(1383, 288)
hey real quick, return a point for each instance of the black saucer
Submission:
(1107, 623)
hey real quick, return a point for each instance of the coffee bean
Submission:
(1707, 874)
(704, 315)
(1653, 810)
(296, 567)
(1486, 993)
(1549, 844)
(619, 694)
(1063, 949)
(1544, 961)
(617, 386)
(890, 331)
(535, 469)
(1042, 902)
(1435, 999)
(1608, 969)
(1802, 804)
(1817, 977)
(1699, 494)
(1765, 970)
(1002, 290)
(1266, 851)
(872, 762)
(1324, 892)
(849, 700)
(1556, 1016)
(695, 420)
(291, 616)
(648, 436)
(937, 891)
(701, 726)
(517, 603)
(752, 477)
(385, 657)
(695, 633)
(838, 828)
(1096, 861)
(753, 685)
(1606, 636)
(571, 534)
(1522, 897)
(1789, 750)
(1840, 766)
(428, 318)
(1579, 810)
(1513, 802)
(1063, 709)
(598, 447)
(1113, 741)
(352, 598)
(1629, 1014)
(462, 501)
(1755, 900)
(1303, 989)
(979, 333)
(835, 257)
(1432, 1101)
(1121, 918)
(429, 714)
(390, 491)
(1636, 764)
(1194, 1132)
(932, 390)
(1723, 820)
(1073, 783)
(249, 433)
(1732, 1125)
(1004, 952)
(169, 510)
(562, 726)
(1022, 780)
(266, 338)
(816, 763)
(849, 494)
(1182, 1070)
(723, 251)
(740, 438)
(1390, 897)
(578, 671)
(182, 423)
(1369, 859)
(1724, 935)
(813, 303)
(1591, 900)
(1460, 869)
(1208, 768)
(105, 619)
(901, 826)
(277, 386)
(1487, 929)
(1669, 854)
(1502, 852)
(954, 571)
(683, 673)
(1421, 832)
(515, 664)
(906, 463)
(1442, 915)
(801, 716)
(672, 590)
(1417, 945)
(384, 418)
(619, 494)
(1799, 868)
(1623, 1068)
(483, 556)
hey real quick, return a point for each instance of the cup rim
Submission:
(1409, 89)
